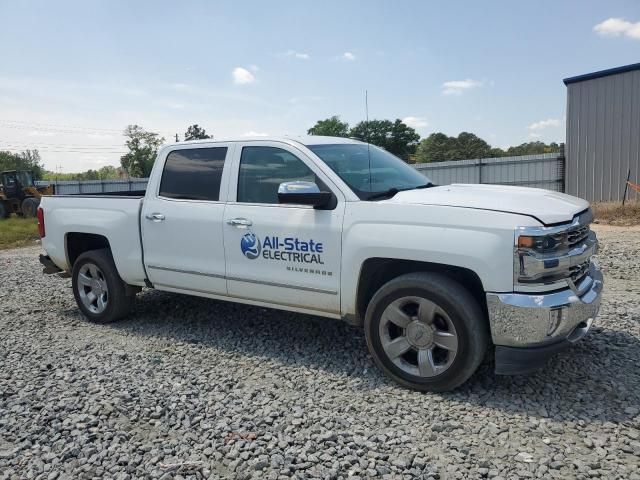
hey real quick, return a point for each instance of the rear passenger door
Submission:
(182, 218)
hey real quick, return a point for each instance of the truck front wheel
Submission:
(98, 289)
(426, 331)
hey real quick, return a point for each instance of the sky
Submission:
(74, 74)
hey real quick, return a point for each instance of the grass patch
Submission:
(18, 232)
(613, 213)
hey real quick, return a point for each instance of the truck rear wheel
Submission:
(99, 291)
(426, 331)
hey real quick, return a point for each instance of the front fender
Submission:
(480, 241)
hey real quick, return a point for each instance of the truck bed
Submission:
(115, 217)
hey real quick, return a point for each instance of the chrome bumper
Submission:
(533, 320)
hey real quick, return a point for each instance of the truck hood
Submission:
(545, 206)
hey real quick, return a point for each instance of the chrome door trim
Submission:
(233, 298)
(190, 272)
(246, 280)
(284, 285)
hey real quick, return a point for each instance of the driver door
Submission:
(283, 254)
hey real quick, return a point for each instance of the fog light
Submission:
(555, 317)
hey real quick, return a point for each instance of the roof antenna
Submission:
(366, 109)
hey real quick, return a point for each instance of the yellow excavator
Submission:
(19, 194)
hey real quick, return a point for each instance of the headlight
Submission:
(543, 243)
(545, 255)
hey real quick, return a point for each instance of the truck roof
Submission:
(303, 139)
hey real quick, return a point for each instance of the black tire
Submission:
(120, 299)
(4, 210)
(463, 311)
(30, 207)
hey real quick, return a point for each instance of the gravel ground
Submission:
(193, 388)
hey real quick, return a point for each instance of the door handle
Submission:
(240, 222)
(155, 217)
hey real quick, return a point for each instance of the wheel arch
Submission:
(77, 243)
(377, 271)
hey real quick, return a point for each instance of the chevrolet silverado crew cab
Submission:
(335, 227)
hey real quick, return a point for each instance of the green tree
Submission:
(27, 160)
(395, 137)
(143, 148)
(472, 146)
(437, 147)
(532, 148)
(195, 132)
(330, 127)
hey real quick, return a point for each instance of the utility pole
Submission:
(177, 138)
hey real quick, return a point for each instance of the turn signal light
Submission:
(526, 241)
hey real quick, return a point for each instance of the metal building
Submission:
(603, 133)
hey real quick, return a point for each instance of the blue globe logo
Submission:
(250, 246)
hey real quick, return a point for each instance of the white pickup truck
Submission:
(338, 228)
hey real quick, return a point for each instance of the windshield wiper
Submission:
(393, 191)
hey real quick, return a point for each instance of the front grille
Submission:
(577, 236)
(578, 272)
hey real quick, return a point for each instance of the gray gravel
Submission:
(193, 388)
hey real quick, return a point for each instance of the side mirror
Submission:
(303, 193)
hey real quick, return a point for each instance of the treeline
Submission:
(108, 172)
(27, 160)
(31, 160)
(394, 136)
(403, 141)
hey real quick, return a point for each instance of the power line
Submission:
(72, 145)
(20, 150)
(50, 127)
(53, 125)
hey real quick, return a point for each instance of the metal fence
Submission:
(97, 186)
(540, 171)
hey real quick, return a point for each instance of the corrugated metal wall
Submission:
(98, 186)
(539, 171)
(603, 136)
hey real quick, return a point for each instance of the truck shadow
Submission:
(597, 380)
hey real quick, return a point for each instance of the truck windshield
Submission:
(369, 179)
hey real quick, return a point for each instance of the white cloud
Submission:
(298, 55)
(184, 87)
(458, 87)
(98, 135)
(306, 98)
(535, 135)
(251, 133)
(37, 133)
(542, 124)
(348, 56)
(254, 68)
(416, 122)
(242, 76)
(616, 27)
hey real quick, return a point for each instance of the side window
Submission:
(263, 169)
(193, 174)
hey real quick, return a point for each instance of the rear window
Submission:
(193, 174)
